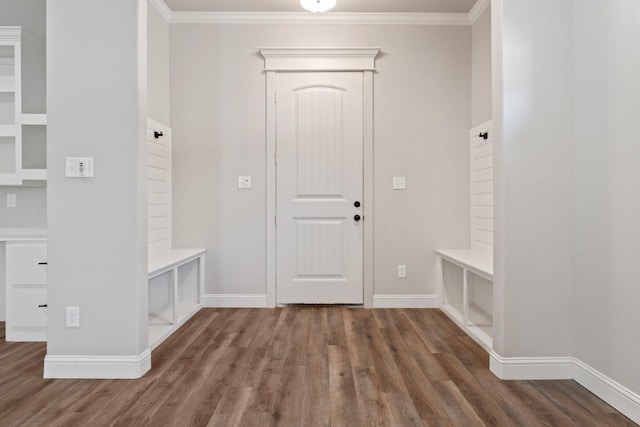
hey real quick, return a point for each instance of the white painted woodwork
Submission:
(466, 292)
(304, 18)
(158, 188)
(176, 285)
(10, 106)
(301, 60)
(16, 160)
(320, 59)
(465, 276)
(481, 175)
(319, 177)
(26, 290)
(351, 6)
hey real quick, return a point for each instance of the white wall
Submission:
(422, 116)
(607, 186)
(533, 304)
(97, 230)
(158, 64)
(30, 211)
(481, 106)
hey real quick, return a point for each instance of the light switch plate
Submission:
(244, 182)
(399, 183)
(79, 167)
(11, 200)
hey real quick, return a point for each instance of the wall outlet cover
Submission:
(399, 183)
(73, 317)
(402, 271)
(11, 200)
(244, 182)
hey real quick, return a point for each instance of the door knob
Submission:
(356, 218)
(356, 204)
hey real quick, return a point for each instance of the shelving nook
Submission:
(22, 136)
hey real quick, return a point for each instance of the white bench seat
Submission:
(165, 320)
(162, 262)
(478, 262)
(460, 301)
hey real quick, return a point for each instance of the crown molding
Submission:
(319, 18)
(162, 9)
(343, 18)
(320, 59)
(477, 10)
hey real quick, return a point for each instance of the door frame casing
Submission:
(309, 60)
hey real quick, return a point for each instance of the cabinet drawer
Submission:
(23, 264)
(23, 310)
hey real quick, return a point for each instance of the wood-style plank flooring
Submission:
(300, 366)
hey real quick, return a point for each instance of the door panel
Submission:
(319, 176)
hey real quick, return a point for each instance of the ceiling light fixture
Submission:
(317, 6)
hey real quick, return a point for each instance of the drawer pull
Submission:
(42, 263)
(42, 306)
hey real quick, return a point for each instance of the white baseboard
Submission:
(234, 300)
(612, 392)
(405, 301)
(3, 314)
(615, 394)
(531, 368)
(97, 367)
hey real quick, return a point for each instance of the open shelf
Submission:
(176, 278)
(34, 119)
(27, 131)
(455, 312)
(467, 294)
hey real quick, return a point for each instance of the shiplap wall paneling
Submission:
(159, 187)
(481, 164)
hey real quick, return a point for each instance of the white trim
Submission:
(367, 190)
(234, 301)
(271, 193)
(405, 301)
(612, 392)
(162, 9)
(531, 368)
(345, 18)
(10, 33)
(477, 10)
(484, 127)
(320, 58)
(360, 59)
(97, 367)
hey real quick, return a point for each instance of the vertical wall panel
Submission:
(481, 164)
(158, 187)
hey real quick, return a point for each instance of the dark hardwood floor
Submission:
(295, 366)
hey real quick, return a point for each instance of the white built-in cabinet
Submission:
(176, 275)
(22, 136)
(465, 276)
(26, 290)
(176, 279)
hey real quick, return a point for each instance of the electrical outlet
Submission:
(11, 200)
(402, 271)
(73, 317)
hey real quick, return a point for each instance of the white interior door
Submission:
(319, 234)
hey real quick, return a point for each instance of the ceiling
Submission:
(406, 6)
